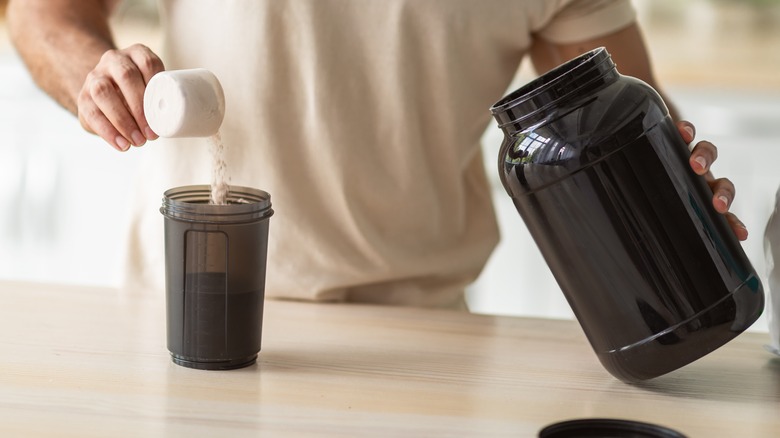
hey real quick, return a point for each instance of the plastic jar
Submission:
(600, 175)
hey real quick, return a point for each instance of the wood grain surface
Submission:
(91, 362)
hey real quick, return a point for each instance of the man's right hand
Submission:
(62, 42)
(111, 101)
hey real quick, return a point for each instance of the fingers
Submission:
(703, 155)
(149, 65)
(110, 103)
(687, 130)
(737, 226)
(723, 193)
(93, 120)
(125, 104)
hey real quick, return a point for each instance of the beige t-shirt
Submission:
(362, 119)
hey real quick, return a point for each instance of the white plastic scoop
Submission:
(184, 103)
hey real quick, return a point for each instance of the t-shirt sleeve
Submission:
(582, 20)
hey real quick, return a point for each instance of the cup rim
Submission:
(191, 203)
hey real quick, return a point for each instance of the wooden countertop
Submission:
(83, 362)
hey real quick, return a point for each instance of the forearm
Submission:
(626, 46)
(60, 41)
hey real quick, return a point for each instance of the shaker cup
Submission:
(215, 261)
(600, 175)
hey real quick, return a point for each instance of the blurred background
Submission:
(63, 193)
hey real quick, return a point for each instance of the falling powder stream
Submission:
(219, 188)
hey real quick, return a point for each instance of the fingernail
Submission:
(138, 138)
(150, 134)
(744, 230)
(689, 130)
(702, 162)
(725, 200)
(122, 142)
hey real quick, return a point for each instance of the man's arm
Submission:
(60, 41)
(626, 46)
(629, 52)
(69, 50)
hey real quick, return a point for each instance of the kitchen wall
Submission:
(63, 193)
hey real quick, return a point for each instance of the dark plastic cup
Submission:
(215, 261)
(606, 427)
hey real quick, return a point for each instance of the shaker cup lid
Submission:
(607, 428)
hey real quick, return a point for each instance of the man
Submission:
(361, 118)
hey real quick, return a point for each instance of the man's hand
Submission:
(703, 155)
(110, 103)
(68, 48)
